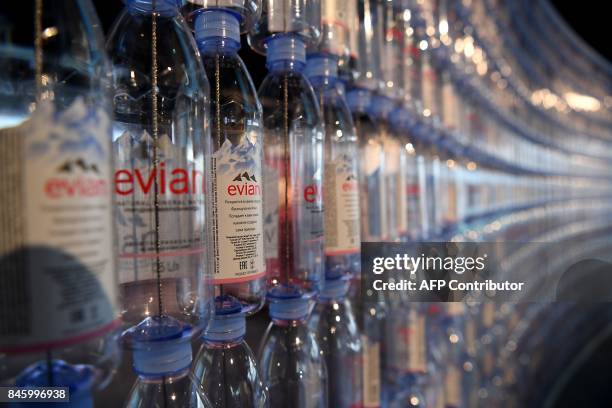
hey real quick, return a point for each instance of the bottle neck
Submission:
(168, 378)
(222, 345)
(165, 8)
(289, 323)
(219, 46)
(217, 31)
(286, 54)
(285, 66)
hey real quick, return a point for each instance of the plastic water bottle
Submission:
(406, 347)
(236, 198)
(371, 312)
(337, 332)
(161, 143)
(225, 365)
(293, 226)
(291, 361)
(341, 185)
(409, 187)
(57, 269)
(294, 173)
(374, 224)
(380, 108)
(162, 359)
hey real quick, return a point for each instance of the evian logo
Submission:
(245, 184)
(76, 178)
(175, 181)
(313, 193)
(350, 183)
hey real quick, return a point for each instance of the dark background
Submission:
(589, 19)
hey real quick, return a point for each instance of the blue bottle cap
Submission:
(358, 99)
(334, 289)
(162, 346)
(288, 302)
(381, 106)
(229, 323)
(217, 23)
(163, 7)
(399, 118)
(286, 47)
(321, 65)
(79, 379)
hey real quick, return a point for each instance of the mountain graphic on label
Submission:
(245, 177)
(70, 166)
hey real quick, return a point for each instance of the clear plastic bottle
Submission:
(161, 143)
(58, 273)
(225, 365)
(294, 172)
(291, 361)
(341, 185)
(236, 198)
(397, 226)
(406, 349)
(162, 361)
(293, 206)
(373, 200)
(409, 183)
(370, 310)
(337, 333)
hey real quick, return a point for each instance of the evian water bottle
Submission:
(57, 269)
(160, 142)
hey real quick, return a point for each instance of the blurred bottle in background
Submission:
(57, 267)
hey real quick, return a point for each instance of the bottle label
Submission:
(417, 352)
(402, 198)
(428, 84)
(168, 237)
(449, 106)
(341, 207)
(237, 212)
(56, 256)
(371, 372)
(455, 309)
(488, 314)
(452, 387)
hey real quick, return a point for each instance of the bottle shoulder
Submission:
(229, 74)
(295, 88)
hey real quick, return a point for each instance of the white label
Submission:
(452, 387)
(455, 308)
(488, 314)
(428, 83)
(417, 352)
(171, 232)
(371, 372)
(57, 277)
(341, 207)
(449, 106)
(237, 212)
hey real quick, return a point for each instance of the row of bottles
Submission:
(155, 199)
